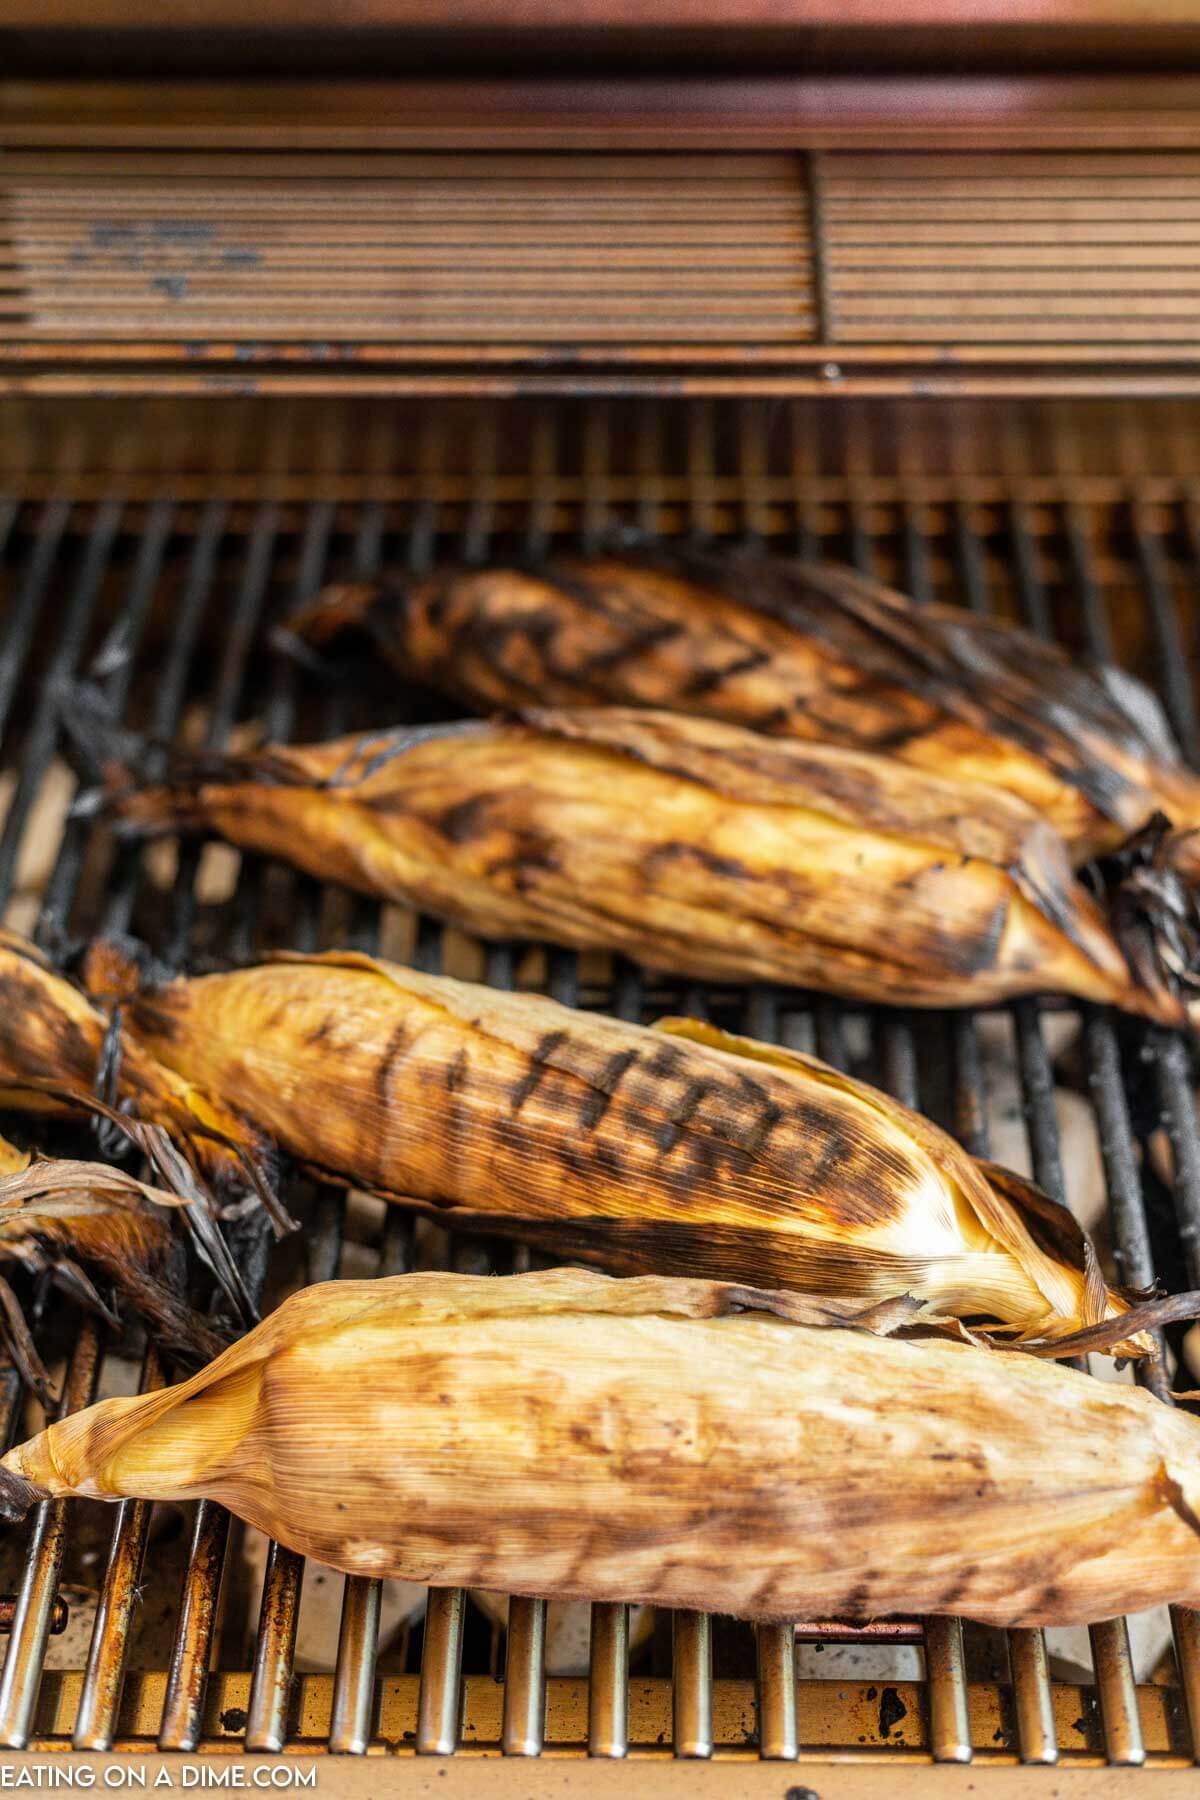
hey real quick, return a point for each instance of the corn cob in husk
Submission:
(687, 844)
(61, 1050)
(679, 1150)
(681, 1443)
(75, 1220)
(794, 650)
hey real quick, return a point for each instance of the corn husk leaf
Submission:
(677, 1151)
(685, 844)
(676, 1443)
(790, 649)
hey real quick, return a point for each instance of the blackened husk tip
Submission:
(1151, 888)
(17, 1495)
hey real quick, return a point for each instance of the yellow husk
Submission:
(793, 650)
(686, 844)
(680, 1151)
(12, 1160)
(563, 1434)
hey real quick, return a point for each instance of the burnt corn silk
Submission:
(675, 1150)
(791, 649)
(689, 845)
(681, 1443)
(82, 1222)
(61, 1048)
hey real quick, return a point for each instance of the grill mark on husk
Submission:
(397, 1045)
(670, 1132)
(729, 868)
(638, 643)
(704, 681)
(598, 1098)
(530, 1081)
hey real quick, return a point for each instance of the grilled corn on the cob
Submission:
(677, 1150)
(794, 650)
(688, 844)
(674, 1442)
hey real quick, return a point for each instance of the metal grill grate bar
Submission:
(524, 1728)
(354, 1676)
(22, 1676)
(691, 1667)
(608, 1681)
(96, 1718)
(1174, 668)
(267, 1719)
(43, 734)
(191, 1655)
(51, 528)
(945, 1668)
(118, 656)
(1111, 1658)
(439, 1705)
(775, 1658)
(183, 1707)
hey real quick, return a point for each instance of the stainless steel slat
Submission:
(1116, 1692)
(691, 1675)
(354, 1674)
(608, 1681)
(96, 1717)
(524, 1725)
(195, 1634)
(1185, 1628)
(439, 1698)
(22, 1677)
(778, 1734)
(945, 1674)
(275, 1647)
(1033, 1702)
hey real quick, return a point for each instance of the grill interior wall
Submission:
(176, 538)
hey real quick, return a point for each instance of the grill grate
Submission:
(184, 589)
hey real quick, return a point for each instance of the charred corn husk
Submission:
(793, 650)
(60, 1049)
(673, 1442)
(76, 1220)
(687, 844)
(677, 1150)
